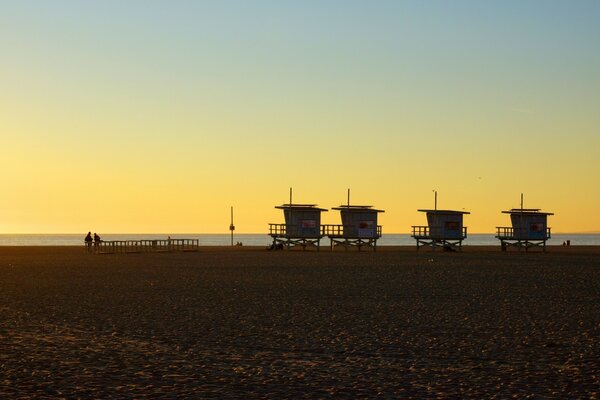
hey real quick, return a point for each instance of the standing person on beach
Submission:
(88, 242)
(97, 241)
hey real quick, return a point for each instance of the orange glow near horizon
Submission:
(162, 122)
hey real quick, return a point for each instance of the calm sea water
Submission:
(265, 240)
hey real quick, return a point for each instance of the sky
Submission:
(158, 116)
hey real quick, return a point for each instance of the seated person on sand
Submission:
(88, 241)
(449, 248)
(97, 240)
(276, 246)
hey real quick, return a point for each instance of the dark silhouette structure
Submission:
(444, 229)
(529, 229)
(358, 229)
(302, 226)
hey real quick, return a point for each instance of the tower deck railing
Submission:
(293, 231)
(511, 233)
(349, 231)
(426, 232)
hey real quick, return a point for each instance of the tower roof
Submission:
(527, 211)
(444, 211)
(352, 208)
(299, 207)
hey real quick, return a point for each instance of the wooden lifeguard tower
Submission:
(358, 229)
(444, 228)
(529, 228)
(302, 226)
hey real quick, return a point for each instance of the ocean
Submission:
(259, 239)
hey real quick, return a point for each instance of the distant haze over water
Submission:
(392, 239)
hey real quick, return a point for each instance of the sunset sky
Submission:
(157, 116)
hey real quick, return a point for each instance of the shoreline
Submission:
(550, 249)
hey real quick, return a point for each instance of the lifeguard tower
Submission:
(358, 229)
(302, 226)
(444, 228)
(529, 229)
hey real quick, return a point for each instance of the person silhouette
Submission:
(88, 242)
(97, 241)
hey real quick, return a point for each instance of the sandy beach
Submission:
(248, 323)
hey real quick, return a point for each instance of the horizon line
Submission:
(249, 233)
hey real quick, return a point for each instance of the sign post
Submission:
(231, 226)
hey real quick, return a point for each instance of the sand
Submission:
(247, 323)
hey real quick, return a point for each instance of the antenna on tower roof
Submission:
(521, 202)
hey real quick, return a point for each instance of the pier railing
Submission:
(146, 246)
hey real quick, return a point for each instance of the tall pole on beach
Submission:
(348, 197)
(231, 226)
(435, 200)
